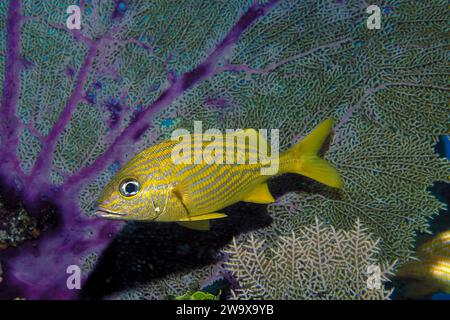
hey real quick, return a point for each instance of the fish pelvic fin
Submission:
(260, 194)
(201, 225)
(200, 222)
(207, 216)
(303, 158)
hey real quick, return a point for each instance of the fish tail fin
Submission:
(308, 163)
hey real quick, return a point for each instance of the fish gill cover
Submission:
(77, 104)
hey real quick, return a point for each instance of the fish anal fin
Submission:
(201, 225)
(260, 194)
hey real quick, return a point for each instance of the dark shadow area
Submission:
(441, 222)
(146, 251)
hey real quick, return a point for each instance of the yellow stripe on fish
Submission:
(155, 186)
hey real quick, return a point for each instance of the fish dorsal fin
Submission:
(260, 194)
(249, 132)
(245, 131)
(254, 141)
(202, 225)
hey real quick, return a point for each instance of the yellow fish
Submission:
(152, 187)
(432, 269)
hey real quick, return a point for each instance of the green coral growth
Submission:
(198, 295)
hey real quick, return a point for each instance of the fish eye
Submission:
(129, 188)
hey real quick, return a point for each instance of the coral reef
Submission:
(318, 262)
(175, 285)
(76, 104)
(198, 295)
(16, 226)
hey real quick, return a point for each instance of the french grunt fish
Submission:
(152, 187)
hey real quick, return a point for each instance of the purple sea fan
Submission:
(38, 269)
(225, 107)
(216, 103)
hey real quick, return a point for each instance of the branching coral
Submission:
(165, 288)
(77, 104)
(318, 262)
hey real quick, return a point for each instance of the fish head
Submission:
(130, 196)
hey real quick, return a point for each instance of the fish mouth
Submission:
(106, 214)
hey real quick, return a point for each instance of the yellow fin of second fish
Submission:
(202, 225)
(260, 194)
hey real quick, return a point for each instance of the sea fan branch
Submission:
(44, 162)
(9, 121)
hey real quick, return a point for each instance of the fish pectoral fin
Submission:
(207, 216)
(181, 191)
(260, 194)
(202, 225)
